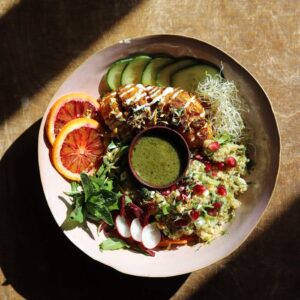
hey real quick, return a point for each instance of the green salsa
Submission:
(156, 160)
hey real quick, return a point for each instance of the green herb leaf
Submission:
(145, 193)
(111, 146)
(127, 200)
(224, 138)
(98, 212)
(165, 209)
(113, 244)
(78, 214)
(87, 185)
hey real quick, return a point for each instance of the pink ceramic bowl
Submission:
(266, 140)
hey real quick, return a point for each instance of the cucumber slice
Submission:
(164, 75)
(151, 70)
(188, 78)
(134, 70)
(103, 86)
(114, 73)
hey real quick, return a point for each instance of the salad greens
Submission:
(96, 196)
(113, 243)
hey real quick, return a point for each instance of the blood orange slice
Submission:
(67, 108)
(78, 148)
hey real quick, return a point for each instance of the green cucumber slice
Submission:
(151, 70)
(134, 70)
(188, 78)
(103, 86)
(114, 73)
(164, 75)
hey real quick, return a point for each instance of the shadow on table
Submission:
(37, 259)
(40, 38)
(267, 267)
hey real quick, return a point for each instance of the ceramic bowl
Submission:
(265, 142)
(176, 139)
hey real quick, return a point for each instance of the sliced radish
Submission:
(136, 229)
(122, 226)
(150, 236)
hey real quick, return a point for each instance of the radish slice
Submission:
(122, 227)
(150, 236)
(136, 230)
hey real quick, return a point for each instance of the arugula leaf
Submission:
(113, 243)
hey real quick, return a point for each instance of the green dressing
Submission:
(156, 160)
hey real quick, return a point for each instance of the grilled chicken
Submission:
(135, 107)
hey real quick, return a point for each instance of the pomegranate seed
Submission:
(181, 188)
(173, 187)
(214, 173)
(218, 204)
(212, 212)
(230, 162)
(214, 146)
(181, 222)
(182, 197)
(195, 214)
(198, 157)
(199, 189)
(208, 167)
(220, 165)
(221, 190)
(166, 192)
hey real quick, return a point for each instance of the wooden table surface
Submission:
(42, 42)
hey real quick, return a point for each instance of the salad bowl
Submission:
(264, 140)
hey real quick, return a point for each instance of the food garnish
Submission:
(66, 109)
(78, 148)
(225, 104)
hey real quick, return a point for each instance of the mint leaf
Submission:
(87, 185)
(111, 146)
(113, 244)
(99, 212)
(78, 214)
(106, 215)
(109, 198)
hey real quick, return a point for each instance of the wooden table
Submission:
(42, 42)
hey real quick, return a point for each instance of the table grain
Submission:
(42, 42)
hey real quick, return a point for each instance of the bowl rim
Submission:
(185, 155)
(182, 38)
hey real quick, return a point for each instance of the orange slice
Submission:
(67, 108)
(78, 148)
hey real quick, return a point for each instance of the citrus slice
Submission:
(78, 148)
(67, 108)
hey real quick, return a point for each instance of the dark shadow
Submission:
(37, 259)
(40, 38)
(267, 267)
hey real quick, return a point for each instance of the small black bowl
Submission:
(181, 146)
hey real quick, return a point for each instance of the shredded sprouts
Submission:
(225, 106)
